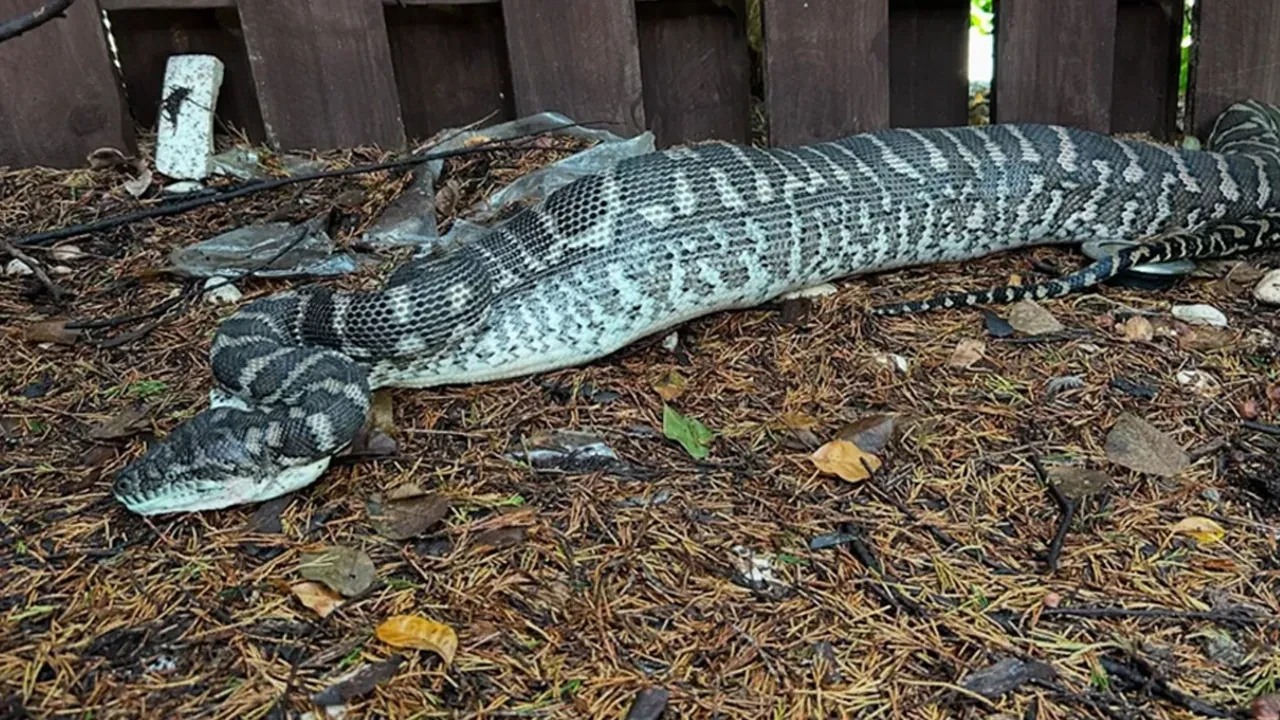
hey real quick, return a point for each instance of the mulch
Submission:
(742, 584)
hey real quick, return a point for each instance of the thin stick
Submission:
(1105, 612)
(54, 289)
(26, 22)
(1160, 687)
(51, 236)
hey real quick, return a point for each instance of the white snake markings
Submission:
(666, 237)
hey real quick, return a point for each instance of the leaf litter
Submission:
(586, 601)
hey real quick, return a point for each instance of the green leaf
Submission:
(693, 435)
(146, 388)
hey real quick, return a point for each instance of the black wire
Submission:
(51, 236)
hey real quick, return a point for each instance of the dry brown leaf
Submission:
(415, 631)
(1266, 707)
(1137, 329)
(967, 352)
(407, 512)
(347, 570)
(872, 433)
(54, 331)
(138, 185)
(127, 422)
(317, 597)
(1137, 445)
(382, 413)
(502, 537)
(1029, 318)
(845, 460)
(106, 157)
(1203, 529)
(1078, 483)
(1205, 338)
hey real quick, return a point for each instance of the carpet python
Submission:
(663, 238)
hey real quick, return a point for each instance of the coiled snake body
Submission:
(663, 238)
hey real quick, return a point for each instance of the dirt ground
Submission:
(746, 583)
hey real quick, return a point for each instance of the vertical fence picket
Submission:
(826, 68)
(1238, 56)
(928, 65)
(145, 39)
(1055, 62)
(323, 72)
(451, 66)
(61, 96)
(1145, 95)
(697, 71)
(577, 58)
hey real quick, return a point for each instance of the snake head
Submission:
(208, 463)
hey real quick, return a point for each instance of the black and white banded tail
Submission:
(1218, 240)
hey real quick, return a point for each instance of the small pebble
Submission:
(220, 293)
(1200, 315)
(16, 267)
(61, 270)
(1268, 288)
(1211, 495)
(895, 361)
(671, 341)
(66, 253)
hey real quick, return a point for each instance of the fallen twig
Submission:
(177, 208)
(1105, 612)
(1148, 680)
(26, 22)
(1066, 506)
(54, 289)
(1261, 427)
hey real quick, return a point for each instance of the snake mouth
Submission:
(202, 465)
(146, 489)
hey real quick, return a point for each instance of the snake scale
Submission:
(666, 237)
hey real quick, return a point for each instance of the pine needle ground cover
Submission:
(790, 511)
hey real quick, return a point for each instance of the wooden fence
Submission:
(305, 74)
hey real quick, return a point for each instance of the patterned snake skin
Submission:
(661, 239)
(1216, 240)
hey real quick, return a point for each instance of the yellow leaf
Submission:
(416, 631)
(317, 597)
(797, 421)
(844, 459)
(1202, 529)
(672, 386)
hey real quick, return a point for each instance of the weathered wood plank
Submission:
(451, 66)
(61, 96)
(188, 4)
(826, 68)
(323, 72)
(1238, 56)
(146, 38)
(1145, 95)
(1056, 62)
(697, 71)
(578, 58)
(110, 5)
(928, 63)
